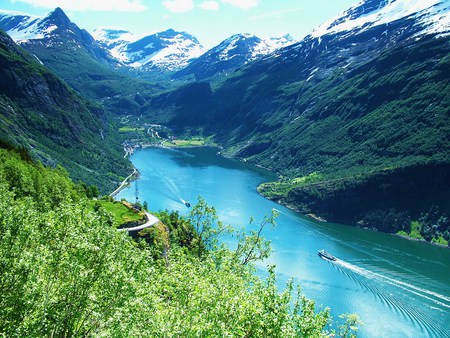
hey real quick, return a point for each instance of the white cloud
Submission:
(89, 5)
(179, 6)
(245, 4)
(209, 5)
(277, 13)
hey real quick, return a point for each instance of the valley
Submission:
(365, 104)
(349, 125)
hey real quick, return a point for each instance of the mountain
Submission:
(430, 16)
(40, 112)
(360, 102)
(280, 41)
(52, 31)
(165, 51)
(231, 54)
(72, 53)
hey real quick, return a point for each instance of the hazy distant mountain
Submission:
(232, 53)
(280, 41)
(169, 50)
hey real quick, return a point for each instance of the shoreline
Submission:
(422, 240)
(291, 207)
(123, 183)
(320, 219)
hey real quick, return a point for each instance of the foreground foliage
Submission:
(64, 271)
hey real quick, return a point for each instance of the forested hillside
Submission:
(64, 271)
(43, 114)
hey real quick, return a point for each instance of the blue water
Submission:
(399, 288)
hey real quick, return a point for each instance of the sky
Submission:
(210, 21)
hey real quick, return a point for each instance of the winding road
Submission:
(151, 220)
(115, 192)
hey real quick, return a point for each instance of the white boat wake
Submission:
(377, 286)
(430, 295)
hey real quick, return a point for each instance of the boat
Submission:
(326, 255)
(186, 203)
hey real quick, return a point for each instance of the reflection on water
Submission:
(399, 288)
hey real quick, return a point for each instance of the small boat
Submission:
(326, 255)
(186, 203)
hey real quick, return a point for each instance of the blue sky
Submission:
(211, 21)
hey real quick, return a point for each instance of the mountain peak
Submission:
(58, 17)
(169, 31)
(57, 12)
(242, 36)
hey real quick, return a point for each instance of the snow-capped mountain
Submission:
(232, 53)
(431, 14)
(164, 51)
(70, 52)
(168, 50)
(54, 30)
(114, 40)
(363, 33)
(22, 26)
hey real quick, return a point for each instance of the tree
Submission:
(207, 227)
(254, 247)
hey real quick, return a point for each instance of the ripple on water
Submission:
(385, 290)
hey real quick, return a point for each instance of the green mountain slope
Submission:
(387, 113)
(41, 113)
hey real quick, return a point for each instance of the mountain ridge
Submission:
(232, 53)
(168, 50)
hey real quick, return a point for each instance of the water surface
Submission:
(399, 288)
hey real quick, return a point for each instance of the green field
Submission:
(282, 187)
(128, 129)
(196, 141)
(187, 143)
(121, 213)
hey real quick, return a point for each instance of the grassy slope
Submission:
(120, 212)
(389, 113)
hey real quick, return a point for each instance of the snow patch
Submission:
(435, 12)
(172, 53)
